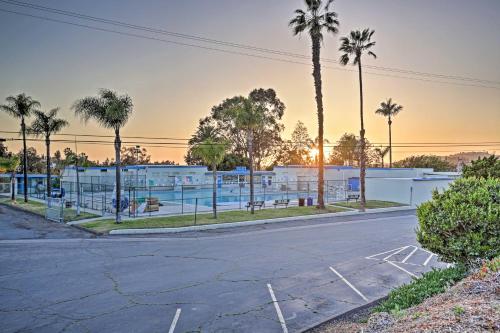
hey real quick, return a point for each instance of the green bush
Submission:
(462, 224)
(488, 167)
(414, 293)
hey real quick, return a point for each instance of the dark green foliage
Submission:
(425, 161)
(488, 167)
(463, 223)
(429, 284)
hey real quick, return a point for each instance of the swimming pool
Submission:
(224, 196)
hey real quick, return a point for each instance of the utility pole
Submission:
(137, 151)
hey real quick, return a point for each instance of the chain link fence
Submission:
(140, 201)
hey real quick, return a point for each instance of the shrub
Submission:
(429, 284)
(488, 167)
(463, 223)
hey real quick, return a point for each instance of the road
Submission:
(276, 278)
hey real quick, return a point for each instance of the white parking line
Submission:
(174, 321)
(401, 268)
(278, 310)
(374, 255)
(408, 256)
(400, 250)
(428, 259)
(349, 284)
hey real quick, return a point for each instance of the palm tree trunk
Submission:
(214, 192)
(118, 178)
(47, 145)
(316, 46)
(362, 160)
(390, 143)
(25, 161)
(250, 154)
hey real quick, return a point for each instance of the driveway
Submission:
(267, 279)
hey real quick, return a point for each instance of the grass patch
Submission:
(207, 218)
(370, 204)
(39, 209)
(414, 293)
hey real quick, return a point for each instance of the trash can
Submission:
(309, 201)
(301, 202)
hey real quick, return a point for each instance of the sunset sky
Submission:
(172, 86)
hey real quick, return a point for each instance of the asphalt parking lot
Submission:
(270, 279)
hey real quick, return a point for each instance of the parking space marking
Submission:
(428, 259)
(278, 310)
(400, 250)
(174, 321)
(349, 284)
(409, 255)
(374, 255)
(401, 268)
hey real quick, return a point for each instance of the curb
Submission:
(250, 223)
(344, 315)
(95, 233)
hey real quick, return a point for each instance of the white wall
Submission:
(404, 190)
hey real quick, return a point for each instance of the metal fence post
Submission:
(129, 203)
(149, 199)
(182, 198)
(195, 210)
(239, 186)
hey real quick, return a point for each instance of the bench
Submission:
(259, 204)
(282, 202)
(352, 197)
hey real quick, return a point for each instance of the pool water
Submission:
(224, 196)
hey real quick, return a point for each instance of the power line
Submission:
(236, 52)
(177, 145)
(395, 144)
(226, 43)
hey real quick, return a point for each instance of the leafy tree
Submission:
(347, 151)
(21, 107)
(249, 116)
(134, 156)
(212, 153)
(4, 152)
(46, 124)
(221, 124)
(34, 161)
(317, 19)
(297, 150)
(390, 110)
(10, 164)
(425, 161)
(110, 111)
(461, 224)
(165, 162)
(487, 167)
(354, 46)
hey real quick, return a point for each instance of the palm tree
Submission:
(381, 152)
(212, 153)
(10, 164)
(110, 111)
(21, 107)
(389, 110)
(316, 20)
(355, 46)
(46, 124)
(248, 117)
